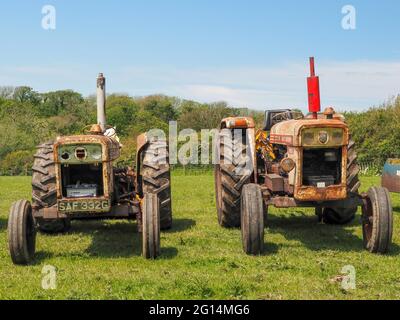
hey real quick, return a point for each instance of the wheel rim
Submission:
(30, 232)
(367, 220)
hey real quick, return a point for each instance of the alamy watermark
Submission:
(210, 146)
(49, 17)
(349, 278)
(49, 279)
(349, 20)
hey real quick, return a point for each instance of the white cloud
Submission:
(351, 85)
(345, 85)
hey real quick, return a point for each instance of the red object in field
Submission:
(314, 101)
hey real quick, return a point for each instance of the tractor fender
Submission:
(237, 123)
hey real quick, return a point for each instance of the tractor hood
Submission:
(290, 132)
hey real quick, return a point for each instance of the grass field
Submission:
(101, 260)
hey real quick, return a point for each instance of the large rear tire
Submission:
(230, 175)
(252, 219)
(44, 190)
(377, 220)
(341, 216)
(151, 226)
(21, 233)
(156, 178)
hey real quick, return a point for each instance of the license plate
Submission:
(84, 205)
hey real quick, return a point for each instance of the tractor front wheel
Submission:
(21, 233)
(377, 220)
(252, 219)
(151, 226)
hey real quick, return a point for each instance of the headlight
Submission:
(65, 155)
(337, 136)
(287, 164)
(96, 155)
(308, 138)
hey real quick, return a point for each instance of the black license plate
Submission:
(84, 206)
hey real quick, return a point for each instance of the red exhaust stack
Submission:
(314, 101)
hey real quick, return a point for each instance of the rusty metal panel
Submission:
(274, 182)
(320, 194)
(282, 202)
(50, 213)
(391, 175)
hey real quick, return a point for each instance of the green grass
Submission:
(101, 259)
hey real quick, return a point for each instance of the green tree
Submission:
(60, 102)
(121, 112)
(26, 94)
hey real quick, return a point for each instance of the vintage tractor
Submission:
(75, 177)
(295, 161)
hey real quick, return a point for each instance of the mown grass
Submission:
(200, 260)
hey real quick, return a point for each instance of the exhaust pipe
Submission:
(101, 102)
(314, 100)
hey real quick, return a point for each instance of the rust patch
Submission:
(320, 194)
(282, 139)
(238, 123)
(283, 202)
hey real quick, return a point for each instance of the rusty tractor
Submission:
(295, 161)
(75, 177)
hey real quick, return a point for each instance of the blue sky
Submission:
(249, 53)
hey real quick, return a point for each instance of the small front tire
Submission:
(151, 226)
(21, 233)
(252, 219)
(377, 220)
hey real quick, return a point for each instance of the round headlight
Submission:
(66, 155)
(337, 136)
(323, 137)
(287, 164)
(96, 155)
(308, 138)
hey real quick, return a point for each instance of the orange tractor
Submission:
(77, 178)
(295, 161)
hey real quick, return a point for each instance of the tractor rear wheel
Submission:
(252, 219)
(44, 192)
(151, 226)
(230, 175)
(341, 216)
(21, 233)
(377, 220)
(156, 178)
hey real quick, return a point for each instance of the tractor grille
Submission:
(322, 167)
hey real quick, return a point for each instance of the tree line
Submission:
(28, 118)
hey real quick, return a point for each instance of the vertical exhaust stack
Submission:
(314, 100)
(101, 101)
